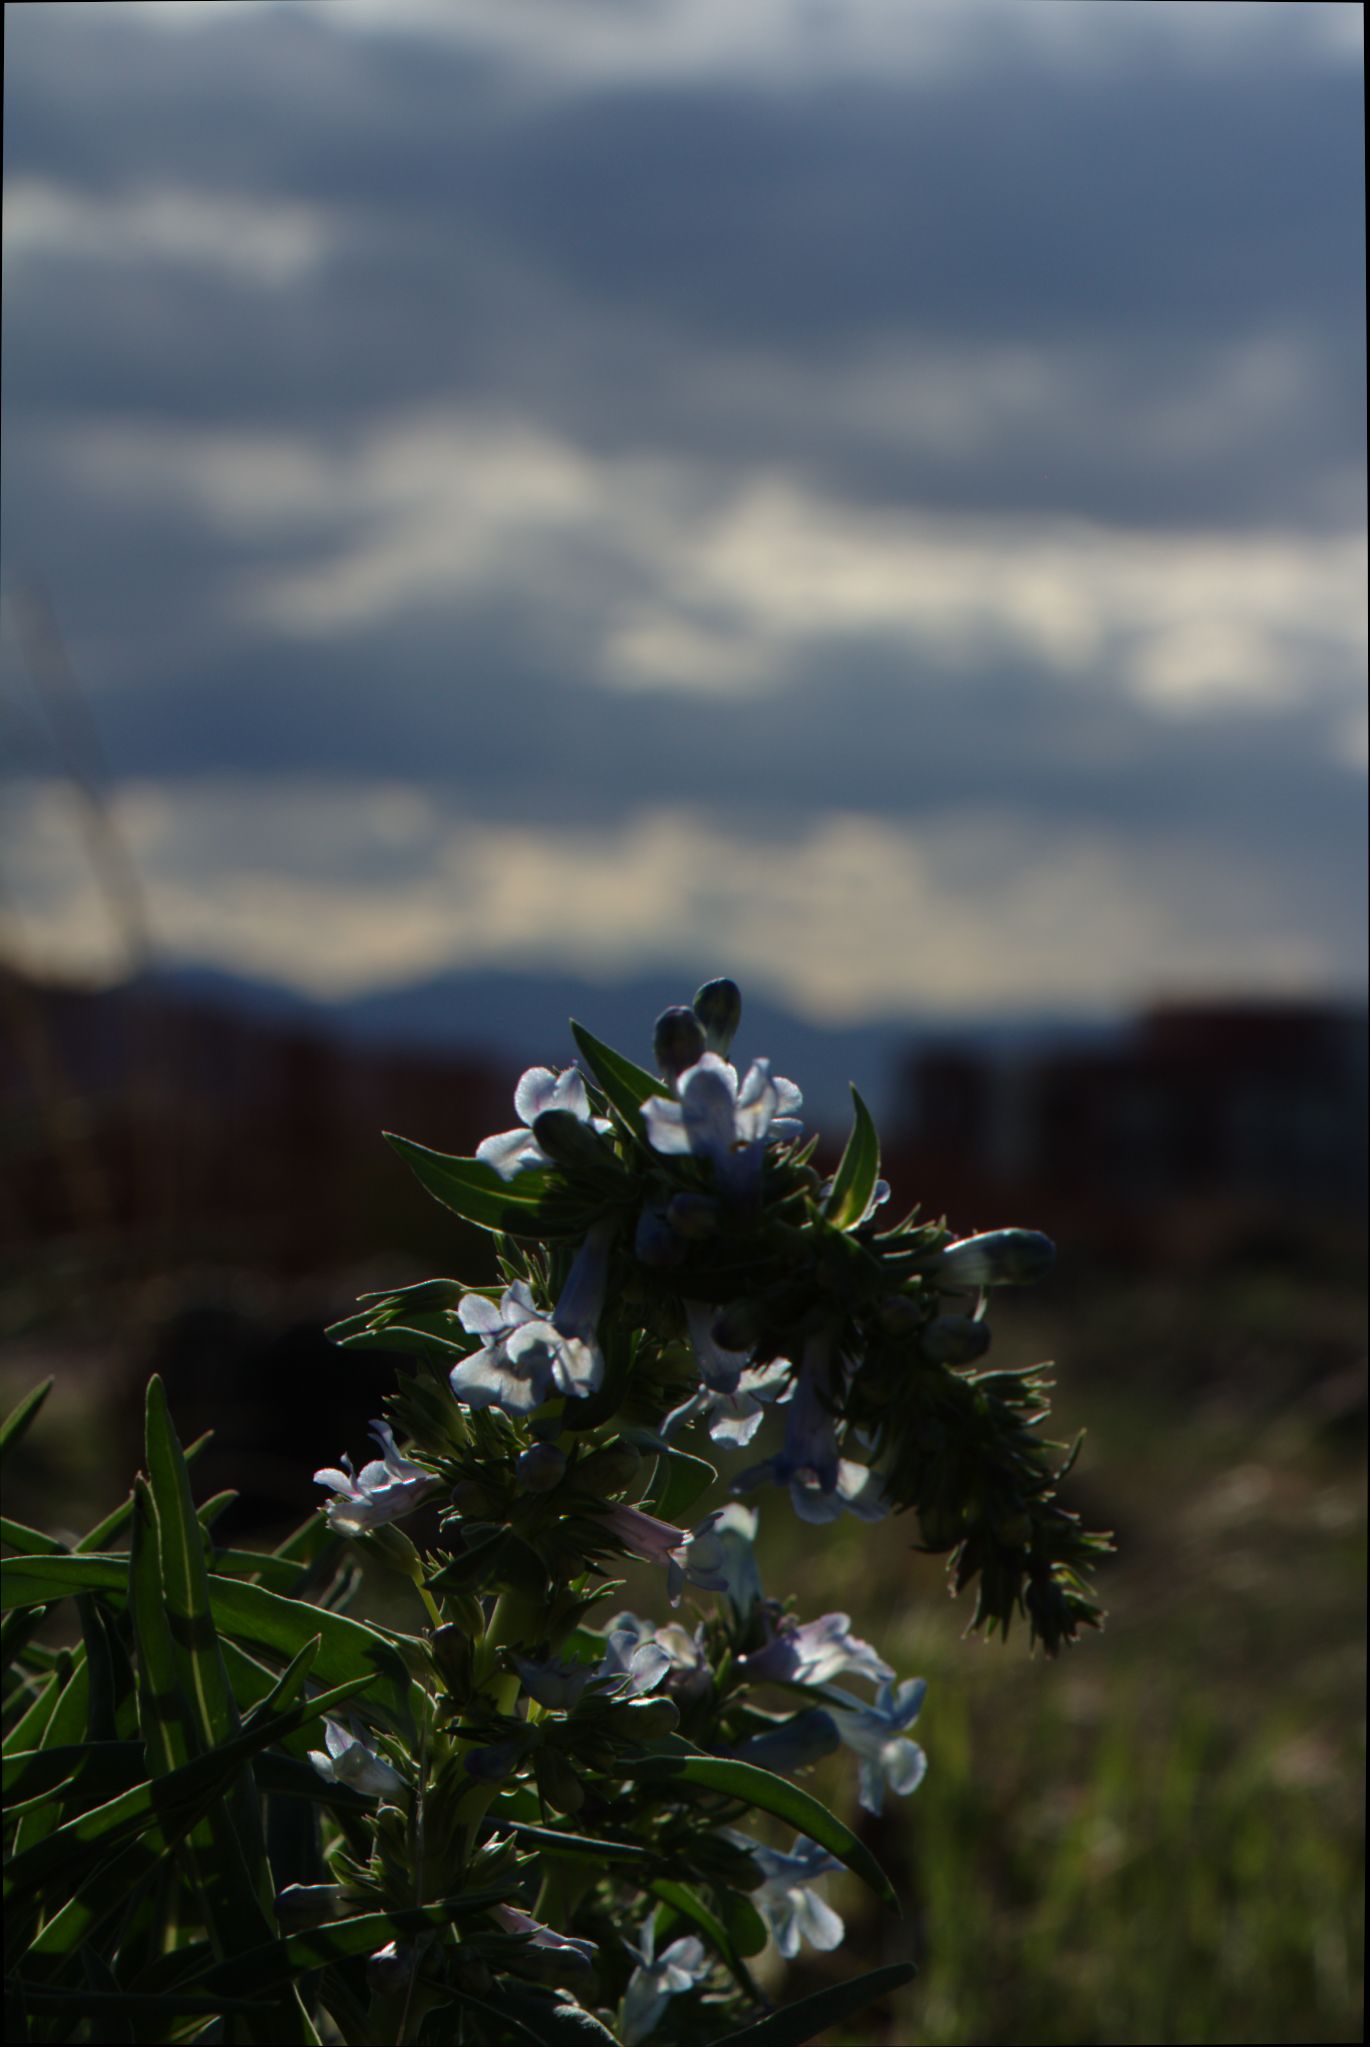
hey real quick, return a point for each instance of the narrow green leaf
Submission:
(856, 1175)
(63, 1727)
(678, 1481)
(761, 1788)
(280, 1961)
(164, 1809)
(552, 1841)
(114, 2005)
(31, 1542)
(17, 1420)
(39, 1581)
(533, 1205)
(27, 1732)
(95, 1770)
(810, 2016)
(626, 1085)
(280, 1627)
(290, 1683)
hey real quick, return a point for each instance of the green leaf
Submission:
(111, 2006)
(678, 1481)
(810, 2016)
(31, 1541)
(626, 1085)
(859, 1169)
(271, 1622)
(162, 1810)
(37, 1581)
(535, 1204)
(762, 1788)
(280, 1961)
(551, 1841)
(93, 1770)
(235, 1883)
(17, 1420)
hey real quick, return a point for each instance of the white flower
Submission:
(381, 1491)
(514, 1151)
(814, 1654)
(349, 1761)
(875, 1733)
(653, 1983)
(716, 1119)
(525, 1356)
(792, 1911)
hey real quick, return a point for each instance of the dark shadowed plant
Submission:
(236, 1811)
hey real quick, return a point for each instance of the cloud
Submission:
(673, 582)
(254, 241)
(773, 446)
(336, 888)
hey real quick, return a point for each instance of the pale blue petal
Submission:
(905, 1766)
(665, 1123)
(536, 1091)
(707, 1105)
(511, 1152)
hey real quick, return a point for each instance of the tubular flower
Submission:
(349, 1761)
(791, 1909)
(714, 1118)
(696, 1558)
(524, 1356)
(734, 1417)
(390, 1485)
(560, 1954)
(876, 1733)
(654, 1982)
(514, 1151)
(814, 1654)
(821, 1481)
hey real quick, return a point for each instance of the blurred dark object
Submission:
(1253, 1106)
(197, 1190)
(166, 1131)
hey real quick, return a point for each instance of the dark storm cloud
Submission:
(1138, 291)
(627, 264)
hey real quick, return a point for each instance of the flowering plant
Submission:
(533, 1822)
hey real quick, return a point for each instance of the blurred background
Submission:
(514, 509)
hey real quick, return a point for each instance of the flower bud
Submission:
(304, 1905)
(954, 1340)
(996, 1258)
(718, 1005)
(692, 1215)
(677, 1042)
(572, 1144)
(541, 1468)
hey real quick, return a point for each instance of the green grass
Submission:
(1158, 1837)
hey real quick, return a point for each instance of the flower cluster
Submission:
(677, 1283)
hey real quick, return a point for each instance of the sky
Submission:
(867, 497)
